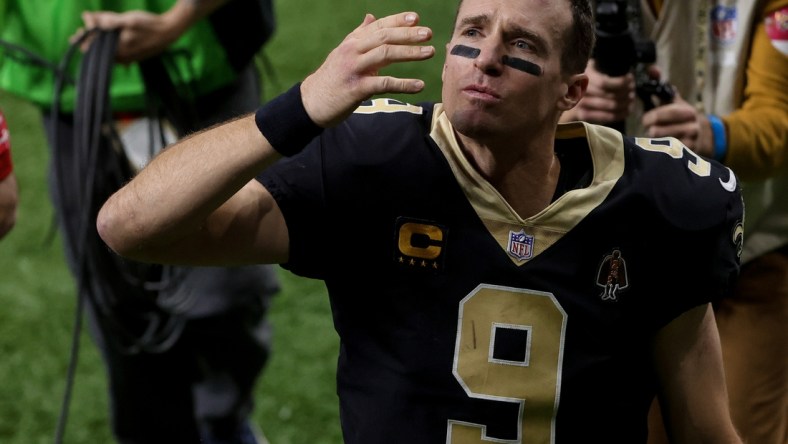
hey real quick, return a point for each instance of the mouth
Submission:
(481, 92)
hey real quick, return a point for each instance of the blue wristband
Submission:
(285, 123)
(720, 138)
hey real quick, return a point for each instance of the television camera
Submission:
(618, 51)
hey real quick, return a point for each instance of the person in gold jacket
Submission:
(741, 120)
(744, 124)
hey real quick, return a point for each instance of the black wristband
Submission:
(285, 123)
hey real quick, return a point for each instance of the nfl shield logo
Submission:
(723, 27)
(521, 245)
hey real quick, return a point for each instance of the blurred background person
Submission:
(740, 119)
(181, 366)
(643, 47)
(743, 122)
(9, 194)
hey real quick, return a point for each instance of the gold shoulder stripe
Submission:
(388, 106)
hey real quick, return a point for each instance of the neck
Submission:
(525, 175)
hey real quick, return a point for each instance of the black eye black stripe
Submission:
(514, 62)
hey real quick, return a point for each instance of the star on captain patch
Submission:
(521, 245)
(612, 276)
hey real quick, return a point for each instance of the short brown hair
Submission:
(579, 38)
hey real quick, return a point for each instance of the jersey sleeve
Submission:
(725, 248)
(692, 228)
(331, 191)
(297, 185)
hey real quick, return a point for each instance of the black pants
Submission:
(201, 385)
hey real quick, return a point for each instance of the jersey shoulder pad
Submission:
(380, 115)
(686, 188)
(378, 129)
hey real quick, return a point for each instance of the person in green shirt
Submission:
(189, 386)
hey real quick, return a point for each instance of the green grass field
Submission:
(296, 398)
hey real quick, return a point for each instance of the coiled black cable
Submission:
(122, 293)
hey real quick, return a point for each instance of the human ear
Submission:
(576, 87)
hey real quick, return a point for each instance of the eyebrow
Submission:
(481, 19)
(509, 33)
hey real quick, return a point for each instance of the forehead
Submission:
(550, 18)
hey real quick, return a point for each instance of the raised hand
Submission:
(350, 73)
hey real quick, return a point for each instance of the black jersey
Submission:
(461, 322)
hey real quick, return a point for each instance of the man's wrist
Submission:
(285, 123)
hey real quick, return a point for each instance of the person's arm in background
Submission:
(607, 99)
(144, 34)
(756, 135)
(679, 119)
(9, 193)
(692, 392)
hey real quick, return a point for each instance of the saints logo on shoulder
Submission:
(738, 238)
(612, 276)
(419, 244)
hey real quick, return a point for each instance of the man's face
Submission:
(502, 75)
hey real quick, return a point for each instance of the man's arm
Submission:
(757, 132)
(197, 202)
(692, 393)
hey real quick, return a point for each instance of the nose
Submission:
(490, 59)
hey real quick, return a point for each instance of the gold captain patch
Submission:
(419, 244)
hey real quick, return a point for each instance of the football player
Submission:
(493, 277)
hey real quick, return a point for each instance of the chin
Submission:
(472, 124)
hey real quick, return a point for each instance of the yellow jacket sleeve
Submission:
(758, 130)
